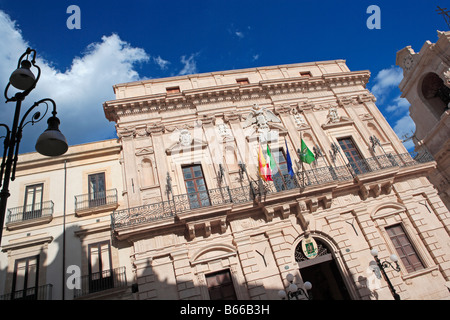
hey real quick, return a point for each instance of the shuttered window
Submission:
(405, 249)
(220, 286)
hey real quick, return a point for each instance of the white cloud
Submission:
(239, 34)
(386, 80)
(398, 105)
(255, 57)
(163, 64)
(13, 46)
(190, 65)
(404, 128)
(396, 108)
(79, 92)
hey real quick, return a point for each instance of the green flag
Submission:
(305, 154)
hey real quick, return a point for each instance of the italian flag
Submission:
(263, 167)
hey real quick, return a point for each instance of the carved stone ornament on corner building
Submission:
(447, 77)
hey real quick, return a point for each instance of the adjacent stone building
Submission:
(192, 218)
(426, 85)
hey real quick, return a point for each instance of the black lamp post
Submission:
(386, 264)
(50, 143)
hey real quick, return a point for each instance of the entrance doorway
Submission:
(323, 273)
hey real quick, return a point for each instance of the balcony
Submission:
(101, 283)
(369, 169)
(168, 209)
(96, 202)
(35, 293)
(30, 215)
(330, 174)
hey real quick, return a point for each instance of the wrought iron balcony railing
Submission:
(310, 177)
(36, 293)
(167, 209)
(412, 158)
(30, 212)
(95, 199)
(101, 281)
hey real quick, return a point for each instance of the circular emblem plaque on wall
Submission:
(309, 248)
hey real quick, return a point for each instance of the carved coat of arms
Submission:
(260, 117)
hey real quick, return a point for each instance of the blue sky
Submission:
(138, 39)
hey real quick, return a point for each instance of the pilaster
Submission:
(131, 170)
(184, 275)
(156, 133)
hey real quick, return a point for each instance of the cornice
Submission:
(76, 153)
(190, 99)
(227, 72)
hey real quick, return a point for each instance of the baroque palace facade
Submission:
(175, 207)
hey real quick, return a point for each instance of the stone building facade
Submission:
(198, 138)
(194, 220)
(58, 211)
(426, 85)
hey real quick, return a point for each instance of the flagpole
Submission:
(303, 167)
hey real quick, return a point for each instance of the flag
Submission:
(289, 161)
(261, 164)
(264, 169)
(273, 165)
(269, 164)
(305, 154)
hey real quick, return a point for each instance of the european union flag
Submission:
(289, 161)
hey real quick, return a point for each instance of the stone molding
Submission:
(190, 99)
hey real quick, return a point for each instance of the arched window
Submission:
(436, 94)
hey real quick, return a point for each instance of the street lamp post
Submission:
(294, 291)
(386, 264)
(50, 143)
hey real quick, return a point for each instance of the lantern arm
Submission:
(22, 95)
(34, 119)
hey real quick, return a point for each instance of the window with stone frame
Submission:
(404, 248)
(100, 267)
(197, 191)
(32, 207)
(220, 285)
(25, 279)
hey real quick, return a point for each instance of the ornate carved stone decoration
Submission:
(155, 128)
(185, 138)
(447, 77)
(333, 119)
(186, 143)
(300, 121)
(223, 130)
(126, 132)
(333, 115)
(144, 151)
(259, 118)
